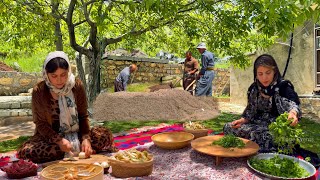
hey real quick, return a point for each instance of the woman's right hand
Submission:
(65, 145)
(237, 123)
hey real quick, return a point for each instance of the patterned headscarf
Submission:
(268, 61)
(69, 123)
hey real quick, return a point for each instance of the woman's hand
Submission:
(86, 147)
(237, 123)
(292, 116)
(64, 145)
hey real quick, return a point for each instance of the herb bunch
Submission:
(284, 135)
(229, 141)
(281, 167)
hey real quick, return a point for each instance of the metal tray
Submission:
(304, 164)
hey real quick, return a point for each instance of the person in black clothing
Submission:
(268, 97)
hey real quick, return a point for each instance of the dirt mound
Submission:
(4, 67)
(165, 104)
(161, 86)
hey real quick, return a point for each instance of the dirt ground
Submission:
(4, 67)
(164, 104)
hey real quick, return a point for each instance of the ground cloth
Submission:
(179, 164)
(127, 141)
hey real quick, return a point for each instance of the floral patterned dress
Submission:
(261, 111)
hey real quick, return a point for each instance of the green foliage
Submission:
(12, 145)
(231, 28)
(229, 141)
(284, 135)
(28, 62)
(281, 167)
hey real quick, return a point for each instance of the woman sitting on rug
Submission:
(268, 97)
(59, 108)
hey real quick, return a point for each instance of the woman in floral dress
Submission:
(268, 97)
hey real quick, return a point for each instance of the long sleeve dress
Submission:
(261, 112)
(42, 146)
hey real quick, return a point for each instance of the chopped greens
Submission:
(229, 141)
(284, 135)
(281, 167)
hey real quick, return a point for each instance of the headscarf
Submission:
(268, 61)
(69, 123)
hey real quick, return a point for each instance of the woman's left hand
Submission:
(86, 147)
(292, 116)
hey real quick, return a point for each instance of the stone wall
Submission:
(13, 83)
(149, 70)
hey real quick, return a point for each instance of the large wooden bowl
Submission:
(172, 140)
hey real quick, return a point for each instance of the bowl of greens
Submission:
(280, 166)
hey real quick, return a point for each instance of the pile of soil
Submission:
(4, 67)
(164, 104)
(161, 86)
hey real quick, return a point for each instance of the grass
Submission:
(311, 140)
(27, 62)
(11, 145)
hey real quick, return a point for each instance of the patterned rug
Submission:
(127, 141)
(179, 164)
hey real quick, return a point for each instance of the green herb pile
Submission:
(277, 166)
(284, 135)
(229, 141)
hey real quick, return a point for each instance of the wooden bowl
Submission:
(197, 132)
(172, 140)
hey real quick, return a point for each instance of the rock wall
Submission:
(13, 83)
(147, 71)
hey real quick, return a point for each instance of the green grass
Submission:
(27, 62)
(11, 145)
(311, 141)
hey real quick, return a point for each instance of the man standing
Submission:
(206, 75)
(191, 66)
(121, 81)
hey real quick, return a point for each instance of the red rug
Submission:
(133, 139)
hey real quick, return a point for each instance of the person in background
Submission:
(121, 81)
(191, 66)
(268, 97)
(59, 109)
(206, 75)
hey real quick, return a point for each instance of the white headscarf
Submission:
(69, 122)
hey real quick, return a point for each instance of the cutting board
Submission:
(94, 158)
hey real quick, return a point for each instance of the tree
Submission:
(230, 27)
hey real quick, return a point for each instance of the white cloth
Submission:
(69, 122)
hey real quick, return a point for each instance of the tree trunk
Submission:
(81, 70)
(57, 30)
(94, 76)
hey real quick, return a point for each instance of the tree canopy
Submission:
(229, 27)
